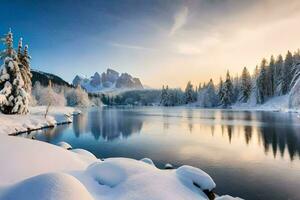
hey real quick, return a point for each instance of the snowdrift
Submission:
(35, 170)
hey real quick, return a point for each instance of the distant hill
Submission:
(109, 81)
(44, 78)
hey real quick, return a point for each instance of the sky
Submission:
(160, 41)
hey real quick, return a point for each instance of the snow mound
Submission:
(193, 176)
(148, 161)
(169, 166)
(227, 197)
(85, 155)
(52, 186)
(109, 174)
(64, 145)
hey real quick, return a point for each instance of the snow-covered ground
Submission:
(280, 103)
(35, 170)
(11, 124)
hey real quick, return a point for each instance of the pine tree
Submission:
(278, 75)
(296, 68)
(236, 88)
(227, 99)
(246, 85)
(189, 93)
(13, 97)
(220, 90)
(24, 65)
(287, 75)
(262, 82)
(163, 96)
(271, 77)
(211, 98)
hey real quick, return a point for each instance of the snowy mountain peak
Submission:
(108, 81)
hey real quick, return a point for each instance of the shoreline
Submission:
(77, 172)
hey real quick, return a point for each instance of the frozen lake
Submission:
(253, 155)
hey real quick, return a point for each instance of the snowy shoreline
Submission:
(17, 124)
(38, 169)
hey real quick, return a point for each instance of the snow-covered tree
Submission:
(13, 96)
(48, 95)
(24, 64)
(278, 75)
(164, 96)
(262, 82)
(190, 94)
(236, 88)
(287, 75)
(77, 97)
(207, 96)
(296, 68)
(246, 85)
(220, 90)
(227, 98)
(271, 76)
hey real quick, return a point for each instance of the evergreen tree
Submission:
(236, 88)
(211, 98)
(271, 77)
(278, 75)
(227, 99)
(287, 75)
(262, 82)
(189, 93)
(164, 96)
(220, 90)
(13, 97)
(296, 68)
(246, 85)
(24, 65)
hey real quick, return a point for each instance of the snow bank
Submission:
(11, 124)
(77, 174)
(227, 197)
(193, 176)
(280, 103)
(148, 161)
(52, 186)
(33, 169)
(64, 145)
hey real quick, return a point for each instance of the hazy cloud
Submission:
(180, 19)
(128, 46)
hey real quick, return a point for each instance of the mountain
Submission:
(108, 81)
(44, 78)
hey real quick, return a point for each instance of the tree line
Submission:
(273, 77)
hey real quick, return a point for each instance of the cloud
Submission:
(180, 19)
(128, 46)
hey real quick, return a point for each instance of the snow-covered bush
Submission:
(77, 97)
(48, 95)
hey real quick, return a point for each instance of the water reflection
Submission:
(272, 132)
(233, 147)
(109, 124)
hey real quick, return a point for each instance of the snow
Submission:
(64, 145)
(58, 186)
(148, 161)
(107, 173)
(169, 166)
(191, 175)
(279, 103)
(32, 169)
(227, 197)
(11, 124)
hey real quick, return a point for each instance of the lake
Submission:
(253, 155)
